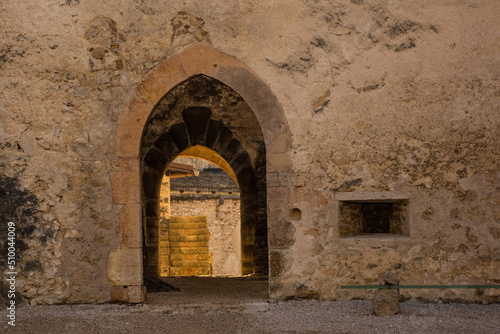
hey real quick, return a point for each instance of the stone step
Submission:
(187, 219)
(182, 271)
(189, 238)
(187, 225)
(189, 231)
(190, 257)
(188, 244)
(208, 308)
(190, 264)
(189, 250)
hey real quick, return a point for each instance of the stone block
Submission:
(190, 257)
(386, 302)
(188, 244)
(125, 266)
(195, 271)
(155, 159)
(379, 196)
(389, 278)
(164, 243)
(162, 79)
(119, 294)
(151, 183)
(125, 187)
(189, 238)
(188, 250)
(152, 236)
(174, 225)
(131, 227)
(228, 62)
(152, 207)
(197, 120)
(278, 162)
(126, 164)
(281, 234)
(189, 231)
(287, 178)
(190, 264)
(200, 59)
(136, 294)
(279, 202)
(277, 263)
(130, 127)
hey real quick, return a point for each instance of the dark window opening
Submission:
(376, 217)
(370, 217)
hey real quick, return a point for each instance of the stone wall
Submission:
(352, 96)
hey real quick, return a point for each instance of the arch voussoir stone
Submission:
(156, 159)
(180, 136)
(167, 146)
(130, 126)
(213, 133)
(197, 121)
(223, 141)
(246, 179)
(150, 182)
(240, 162)
(161, 79)
(232, 149)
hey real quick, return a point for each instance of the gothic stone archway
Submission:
(125, 265)
(203, 111)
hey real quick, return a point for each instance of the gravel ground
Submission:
(227, 305)
(282, 317)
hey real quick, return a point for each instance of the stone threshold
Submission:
(204, 307)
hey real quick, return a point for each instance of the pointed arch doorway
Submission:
(204, 112)
(199, 97)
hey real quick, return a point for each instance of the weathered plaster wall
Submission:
(398, 96)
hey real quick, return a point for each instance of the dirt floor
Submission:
(216, 305)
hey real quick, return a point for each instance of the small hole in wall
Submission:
(296, 214)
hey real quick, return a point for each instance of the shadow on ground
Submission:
(188, 290)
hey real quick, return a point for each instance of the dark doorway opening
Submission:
(203, 112)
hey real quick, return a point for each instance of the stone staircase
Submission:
(188, 241)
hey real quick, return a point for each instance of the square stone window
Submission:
(376, 216)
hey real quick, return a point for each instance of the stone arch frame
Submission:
(125, 265)
(203, 111)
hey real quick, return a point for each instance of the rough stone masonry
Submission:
(364, 135)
